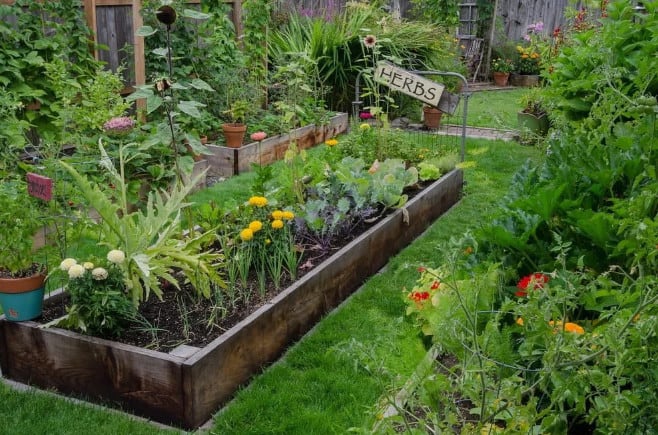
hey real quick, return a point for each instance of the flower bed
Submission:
(225, 161)
(186, 386)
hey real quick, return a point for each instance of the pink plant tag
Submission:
(39, 186)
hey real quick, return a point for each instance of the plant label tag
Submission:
(413, 85)
(39, 186)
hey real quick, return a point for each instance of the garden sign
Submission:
(415, 86)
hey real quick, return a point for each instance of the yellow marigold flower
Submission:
(364, 126)
(331, 142)
(255, 226)
(258, 201)
(277, 214)
(277, 224)
(288, 215)
(524, 56)
(246, 234)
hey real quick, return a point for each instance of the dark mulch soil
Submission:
(181, 317)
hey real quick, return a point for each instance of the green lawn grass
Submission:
(333, 378)
(493, 109)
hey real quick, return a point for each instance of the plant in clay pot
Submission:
(235, 128)
(21, 277)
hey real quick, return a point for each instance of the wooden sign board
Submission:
(39, 186)
(425, 90)
(413, 85)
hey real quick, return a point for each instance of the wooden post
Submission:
(140, 64)
(90, 17)
(237, 18)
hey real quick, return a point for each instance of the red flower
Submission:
(421, 269)
(536, 279)
(435, 285)
(419, 296)
(365, 115)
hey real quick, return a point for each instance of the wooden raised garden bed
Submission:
(186, 386)
(225, 161)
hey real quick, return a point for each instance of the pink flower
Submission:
(258, 136)
(119, 125)
(365, 115)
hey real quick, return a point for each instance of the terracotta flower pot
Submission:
(432, 117)
(234, 134)
(500, 78)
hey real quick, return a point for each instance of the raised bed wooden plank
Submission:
(186, 391)
(145, 381)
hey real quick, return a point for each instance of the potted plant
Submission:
(501, 70)
(21, 277)
(533, 117)
(234, 130)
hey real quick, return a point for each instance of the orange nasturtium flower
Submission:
(568, 327)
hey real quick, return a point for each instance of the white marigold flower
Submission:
(67, 263)
(99, 274)
(88, 265)
(76, 271)
(116, 256)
